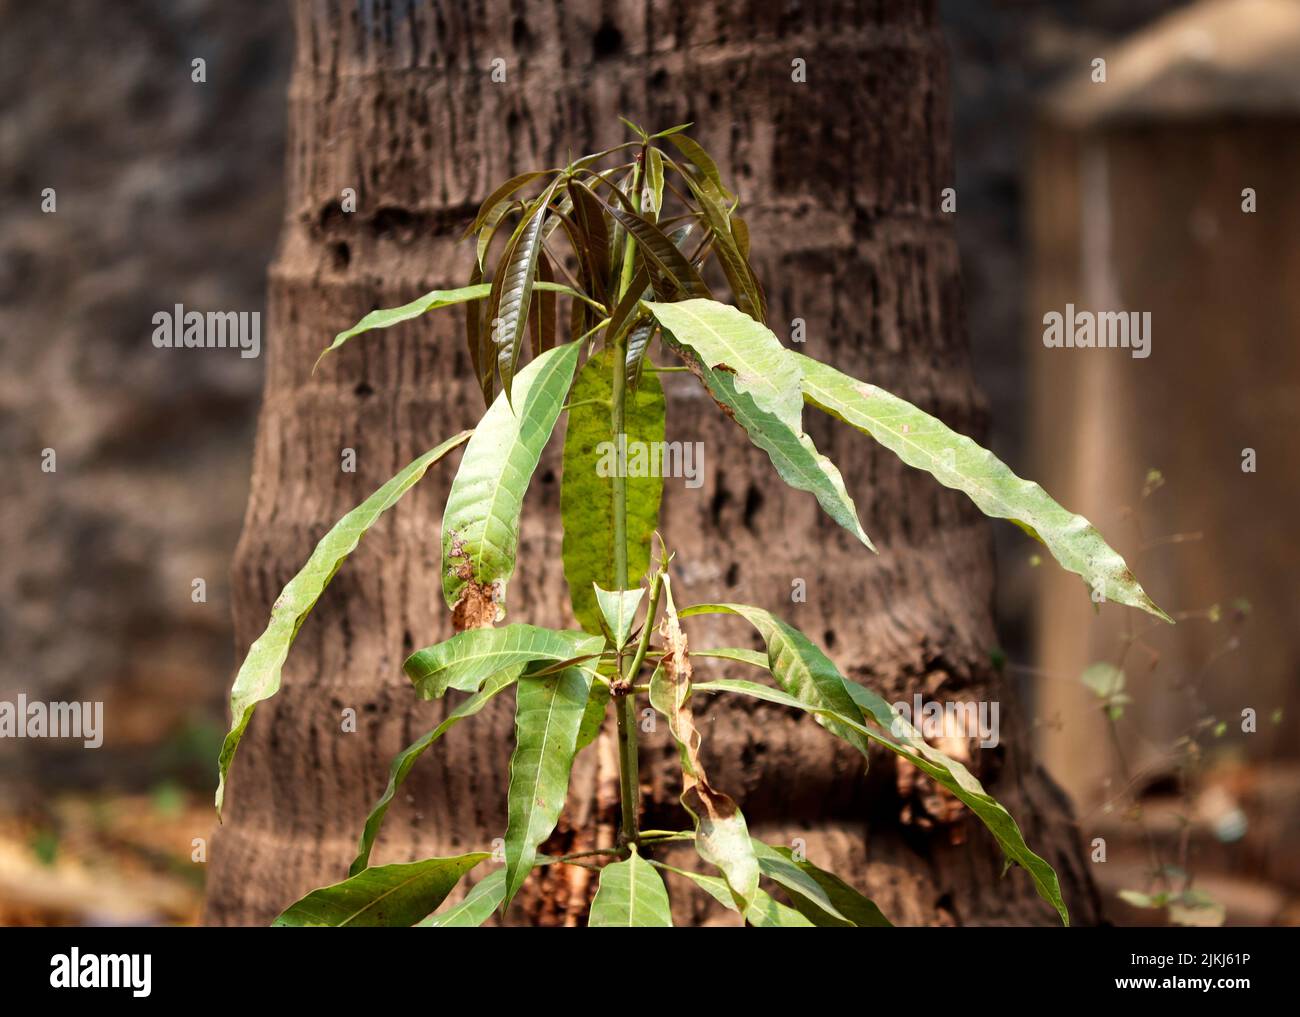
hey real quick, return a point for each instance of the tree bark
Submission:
(840, 176)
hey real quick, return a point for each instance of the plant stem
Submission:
(643, 644)
(585, 402)
(628, 767)
(628, 776)
(592, 331)
(594, 852)
(662, 836)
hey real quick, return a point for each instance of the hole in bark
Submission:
(391, 220)
(331, 216)
(753, 502)
(718, 502)
(607, 42)
(362, 390)
(658, 80)
(828, 639)
(342, 255)
(521, 37)
(548, 477)
(733, 573)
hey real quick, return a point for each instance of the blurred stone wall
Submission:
(167, 191)
(1006, 55)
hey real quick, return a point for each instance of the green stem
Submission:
(628, 775)
(585, 402)
(592, 331)
(628, 768)
(594, 852)
(643, 644)
(663, 836)
(569, 291)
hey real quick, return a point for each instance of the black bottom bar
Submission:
(231, 967)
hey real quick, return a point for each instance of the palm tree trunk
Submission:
(841, 177)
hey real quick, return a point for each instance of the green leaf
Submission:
(543, 314)
(593, 253)
(741, 233)
(488, 233)
(618, 235)
(767, 913)
(924, 442)
(763, 913)
(478, 342)
(792, 452)
(636, 129)
(618, 607)
(513, 287)
(806, 673)
(497, 198)
(476, 908)
(480, 525)
(803, 889)
(750, 657)
(548, 714)
(726, 338)
(593, 718)
(431, 301)
(1142, 900)
(391, 895)
(703, 162)
(680, 236)
(795, 457)
(858, 909)
(731, 242)
(809, 676)
(963, 784)
(660, 250)
(638, 341)
(630, 895)
(562, 215)
(259, 675)
(587, 496)
(671, 130)
(752, 689)
(467, 659)
(653, 197)
(406, 759)
(1106, 680)
(800, 668)
(390, 316)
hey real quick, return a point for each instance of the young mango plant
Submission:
(642, 224)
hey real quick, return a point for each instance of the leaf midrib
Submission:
(681, 308)
(543, 376)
